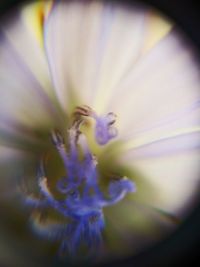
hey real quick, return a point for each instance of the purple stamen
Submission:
(84, 207)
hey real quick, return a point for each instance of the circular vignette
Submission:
(182, 246)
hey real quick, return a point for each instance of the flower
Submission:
(103, 106)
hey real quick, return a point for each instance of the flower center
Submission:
(83, 199)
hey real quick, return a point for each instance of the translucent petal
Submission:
(162, 134)
(23, 78)
(161, 87)
(26, 36)
(175, 180)
(83, 41)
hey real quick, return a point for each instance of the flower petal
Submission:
(90, 47)
(175, 180)
(163, 87)
(23, 77)
(162, 133)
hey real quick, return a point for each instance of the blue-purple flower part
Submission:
(84, 199)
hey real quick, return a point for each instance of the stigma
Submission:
(84, 200)
(104, 125)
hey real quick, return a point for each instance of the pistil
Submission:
(83, 198)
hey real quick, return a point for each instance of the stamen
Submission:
(111, 118)
(84, 111)
(44, 188)
(84, 207)
(58, 141)
(104, 130)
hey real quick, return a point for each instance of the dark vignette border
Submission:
(183, 247)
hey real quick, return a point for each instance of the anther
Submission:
(111, 118)
(83, 110)
(57, 138)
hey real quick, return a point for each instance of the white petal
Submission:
(23, 76)
(165, 145)
(22, 35)
(90, 47)
(158, 111)
(175, 180)
(161, 88)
